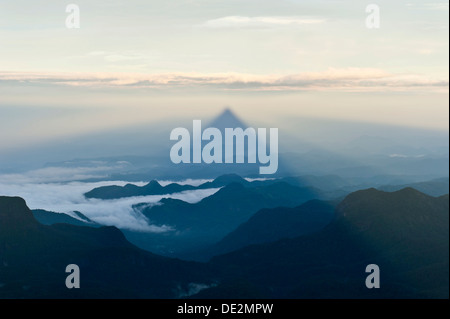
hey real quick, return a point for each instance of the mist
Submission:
(68, 197)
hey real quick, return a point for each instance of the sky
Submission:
(139, 62)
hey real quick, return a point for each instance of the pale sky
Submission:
(136, 61)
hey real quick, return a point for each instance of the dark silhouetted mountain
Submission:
(152, 188)
(14, 214)
(49, 218)
(269, 225)
(406, 233)
(206, 222)
(33, 259)
(435, 187)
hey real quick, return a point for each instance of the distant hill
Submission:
(326, 183)
(406, 233)
(33, 258)
(435, 187)
(154, 188)
(49, 218)
(332, 186)
(201, 224)
(224, 180)
(269, 225)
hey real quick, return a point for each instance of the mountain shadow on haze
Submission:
(406, 233)
(33, 259)
(227, 119)
(331, 186)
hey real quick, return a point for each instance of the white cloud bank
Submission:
(68, 197)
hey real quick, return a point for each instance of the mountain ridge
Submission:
(33, 258)
(405, 233)
(155, 188)
(197, 225)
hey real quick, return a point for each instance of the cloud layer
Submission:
(68, 197)
(333, 79)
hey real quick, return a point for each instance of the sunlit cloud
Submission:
(337, 79)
